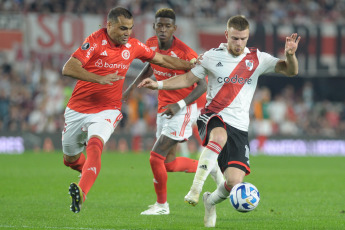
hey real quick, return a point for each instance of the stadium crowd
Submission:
(273, 11)
(33, 94)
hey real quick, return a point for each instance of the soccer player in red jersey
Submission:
(94, 109)
(233, 71)
(177, 110)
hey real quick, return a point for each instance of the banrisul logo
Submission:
(234, 80)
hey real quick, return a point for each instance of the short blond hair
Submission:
(238, 22)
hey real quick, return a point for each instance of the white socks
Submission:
(207, 163)
(220, 194)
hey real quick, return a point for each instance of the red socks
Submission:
(92, 164)
(182, 164)
(76, 165)
(160, 176)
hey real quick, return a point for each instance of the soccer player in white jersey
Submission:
(233, 71)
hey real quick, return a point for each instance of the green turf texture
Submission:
(296, 193)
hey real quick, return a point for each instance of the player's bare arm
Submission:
(177, 82)
(289, 66)
(146, 72)
(73, 68)
(171, 62)
(172, 109)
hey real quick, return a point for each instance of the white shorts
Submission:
(79, 127)
(179, 127)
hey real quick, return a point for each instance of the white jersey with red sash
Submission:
(232, 82)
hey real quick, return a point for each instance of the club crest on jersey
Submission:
(125, 54)
(104, 42)
(249, 64)
(85, 46)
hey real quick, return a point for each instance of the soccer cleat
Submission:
(192, 197)
(210, 211)
(77, 197)
(157, 209)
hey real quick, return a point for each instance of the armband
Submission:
(160, 84)
(182, 104)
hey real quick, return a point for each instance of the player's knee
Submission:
(231, 182)
(70, 159)
(170, 167)
(219, 136)
(156, 158)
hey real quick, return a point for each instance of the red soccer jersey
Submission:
(100, 56)
(180, 50)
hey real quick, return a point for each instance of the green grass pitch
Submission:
(296, 193)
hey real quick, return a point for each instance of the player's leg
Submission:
(71, 136)
(232, 176)
(158, 155)
(216, 136)
(179, 164)
(99, 128)
(73, 139)
(234, 161)
(169, 133)
(74, 162)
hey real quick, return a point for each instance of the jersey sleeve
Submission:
(191, 54)
(85, 52)
(200, 70)
(143, 52)
(269, 62)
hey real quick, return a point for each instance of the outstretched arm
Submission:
(289, 66)
(146, 72)
(73, 68)
(171, 62)
(172, 109)
(177, 82)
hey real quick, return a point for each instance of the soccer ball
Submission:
(244, 197)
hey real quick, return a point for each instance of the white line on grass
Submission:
(48, 227)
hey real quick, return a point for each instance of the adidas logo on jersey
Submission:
(219, 64)
(104, 53)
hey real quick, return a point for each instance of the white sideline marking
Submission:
(47, 227)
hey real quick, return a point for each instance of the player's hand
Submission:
(110, 78)
(200, 57)
(171, 110)
(148, 83)
(291, 44)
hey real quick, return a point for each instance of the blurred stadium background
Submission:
(304, 115)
